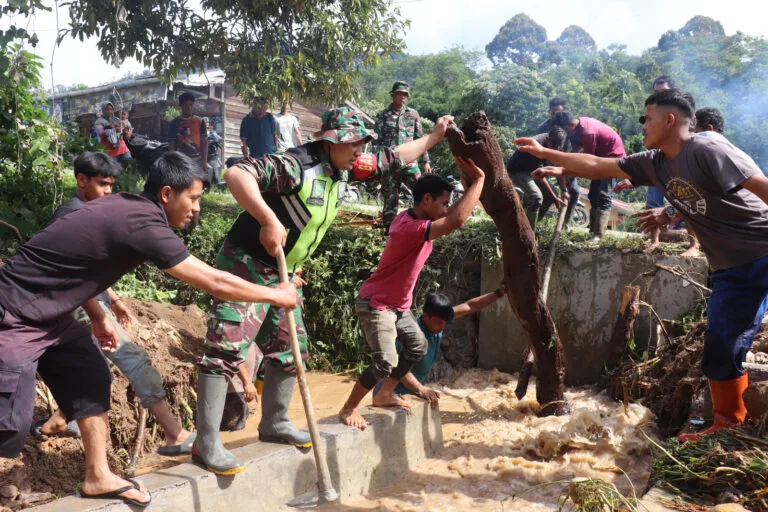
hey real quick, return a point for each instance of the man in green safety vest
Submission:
(290, 200)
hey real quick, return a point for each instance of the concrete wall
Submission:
(584, 296)
(359, 461)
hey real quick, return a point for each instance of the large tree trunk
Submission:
(519, 256)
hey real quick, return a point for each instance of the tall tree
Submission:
(521, 40)
(272, 48)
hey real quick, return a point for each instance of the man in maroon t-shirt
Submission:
(592, 137)
(384, 301)
(68, 264)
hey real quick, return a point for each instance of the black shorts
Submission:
(69, 361)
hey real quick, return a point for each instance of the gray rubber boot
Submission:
(601, 223)
(275, 427)
(208, 450)
(569, 213)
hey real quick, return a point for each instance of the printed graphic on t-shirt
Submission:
(686, 197)
(318, 192)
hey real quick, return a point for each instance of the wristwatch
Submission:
(670, 211)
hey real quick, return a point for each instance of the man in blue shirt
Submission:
(436, 315)
(258, 131)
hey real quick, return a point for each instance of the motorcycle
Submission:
(145, 151)
(458, 189)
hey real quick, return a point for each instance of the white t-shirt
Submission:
(286, 136)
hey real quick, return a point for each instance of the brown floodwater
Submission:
(498, 455)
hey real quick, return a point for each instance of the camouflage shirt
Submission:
(305, 192)
(395, 127)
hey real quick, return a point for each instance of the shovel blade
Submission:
(313, 499)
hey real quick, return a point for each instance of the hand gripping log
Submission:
(327, 492)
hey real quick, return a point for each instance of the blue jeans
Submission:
(655, 198)
(738, 303)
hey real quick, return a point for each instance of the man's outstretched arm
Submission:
(226, 286)
(581, 165)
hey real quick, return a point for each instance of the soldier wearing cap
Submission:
(290, 200)
(396, 125)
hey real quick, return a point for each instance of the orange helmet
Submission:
(364, 167)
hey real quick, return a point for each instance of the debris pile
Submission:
(729, 466)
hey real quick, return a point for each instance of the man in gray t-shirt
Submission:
(723, 197)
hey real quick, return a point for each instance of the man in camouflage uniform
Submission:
(290, 200)
(397, 125)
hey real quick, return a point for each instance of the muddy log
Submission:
(476, 140)
(623, 329)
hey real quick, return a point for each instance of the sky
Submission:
(440, 24)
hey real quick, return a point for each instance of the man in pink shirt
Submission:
(592, 137)
(384, 301)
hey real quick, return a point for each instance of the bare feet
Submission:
(183, 435)
(352, 418)
(651, 248)
(56, 424)
(692, 252)
(383, 400)
(110, 482)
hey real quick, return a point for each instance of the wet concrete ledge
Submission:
(359, 461)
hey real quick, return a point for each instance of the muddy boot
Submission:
(601, 224)
(208, 450)
(592, 213)
(727, 405)
(275, 427)
(533, 217)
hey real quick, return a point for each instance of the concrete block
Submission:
(359, 461)
(584, 297)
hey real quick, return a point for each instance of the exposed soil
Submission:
(54, 466)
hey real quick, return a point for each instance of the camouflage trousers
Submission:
(390, 189)
(233, 327)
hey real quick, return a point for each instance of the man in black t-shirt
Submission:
(70, 262)
(95, 174)
(521, 165)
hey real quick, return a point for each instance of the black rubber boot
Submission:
(601, 223)
(568, 213)
(275, 427)
(208, 450)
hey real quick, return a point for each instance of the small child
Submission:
(384, 301)
(437, 314)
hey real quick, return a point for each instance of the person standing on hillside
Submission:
(188, 133)
(288, 133)
(592, 137)
(396, 125)
(258, 131)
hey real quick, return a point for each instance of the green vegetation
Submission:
(729, 463)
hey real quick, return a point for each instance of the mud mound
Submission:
(173, 337)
